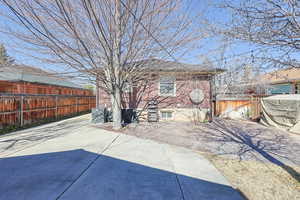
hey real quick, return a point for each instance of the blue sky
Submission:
(196, 6)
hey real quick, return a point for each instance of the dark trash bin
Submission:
(129, 116)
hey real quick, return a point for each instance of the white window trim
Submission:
(170, 119)
(167, 95)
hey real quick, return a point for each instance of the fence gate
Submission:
(253, 104)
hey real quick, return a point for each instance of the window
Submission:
(167, 86)
(166, 115)
(281, 89)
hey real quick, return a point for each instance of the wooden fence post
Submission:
(89, 101)
(56, 107)
(211, 112)
(76, 105)
(21, 111)
(46, 108)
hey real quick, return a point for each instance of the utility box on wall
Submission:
(152, 111)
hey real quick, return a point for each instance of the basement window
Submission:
(166, 115)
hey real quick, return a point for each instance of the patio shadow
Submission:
(79, 174)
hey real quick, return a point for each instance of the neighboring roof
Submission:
(284, 97)
(26, 69)
(33, 75)
(170, 66)
(282, 76)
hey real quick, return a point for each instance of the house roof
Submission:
(282, 76)
(171, 66)
(33, 75)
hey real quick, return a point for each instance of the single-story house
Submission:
(182, 92)
(284, 81)
(22, 79)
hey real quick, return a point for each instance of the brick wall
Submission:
(140, 95)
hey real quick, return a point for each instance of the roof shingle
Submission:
(33, 75)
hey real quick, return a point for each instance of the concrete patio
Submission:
(73, 160)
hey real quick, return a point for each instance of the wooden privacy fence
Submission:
(255, 108)
(24, 109)
(251, 103)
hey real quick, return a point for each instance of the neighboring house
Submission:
(183, 91)
(21, 79)
(284, 81)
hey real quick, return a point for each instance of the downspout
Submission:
(97, 93)
(212, 110)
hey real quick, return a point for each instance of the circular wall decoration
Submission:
(197, 96)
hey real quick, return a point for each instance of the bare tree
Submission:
(270, 24)
(5, 59)
(241, 71)
(240, 79)
(102, 39)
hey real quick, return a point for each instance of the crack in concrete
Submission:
(181, 190)
(176, 175)
(91, 163)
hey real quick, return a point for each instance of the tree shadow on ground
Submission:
(250, 143)
(38, 134)
(79, 174)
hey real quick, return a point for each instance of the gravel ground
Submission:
(262, 162)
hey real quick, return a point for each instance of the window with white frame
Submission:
(166, 115)
(167, 86)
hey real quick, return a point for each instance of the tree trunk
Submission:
(116, 98)
(116, 109)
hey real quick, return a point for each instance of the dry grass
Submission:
(257, 180)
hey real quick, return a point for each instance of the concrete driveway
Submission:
(72, 160)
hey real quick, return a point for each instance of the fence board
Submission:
(24, 109)
(253, 103)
